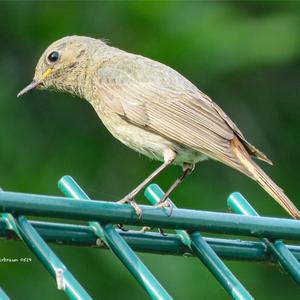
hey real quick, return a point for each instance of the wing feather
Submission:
(153, 96)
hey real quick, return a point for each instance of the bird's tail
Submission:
(263, 179)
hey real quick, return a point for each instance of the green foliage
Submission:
(245, 55)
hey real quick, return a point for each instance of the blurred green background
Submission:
(245, 55)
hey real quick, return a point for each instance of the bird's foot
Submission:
(132, 202)
(165, 203)
(162, 232)
(121, 227)
(145, 229)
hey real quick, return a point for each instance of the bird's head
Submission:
(63, 65)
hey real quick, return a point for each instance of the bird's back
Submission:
(155, 97)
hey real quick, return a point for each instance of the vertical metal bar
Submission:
(10, 222)
(152, 193)
(206, 254)
(118, 245)
(240, 205)
(3, 295)
(64, 279)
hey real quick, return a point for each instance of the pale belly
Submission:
(148, 143)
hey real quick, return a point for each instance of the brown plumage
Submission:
(152, 109)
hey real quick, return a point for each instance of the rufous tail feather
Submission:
(263, 179)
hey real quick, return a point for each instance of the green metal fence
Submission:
(100, 231)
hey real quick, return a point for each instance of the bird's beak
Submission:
(35, 83)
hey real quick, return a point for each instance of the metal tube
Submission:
(205, 253)
(240, 205)
(65, 280)
(3, 295)
(25, 231)
(154, 193)
(150, 242)
(60, 207)
(218, 268)
(118, 245)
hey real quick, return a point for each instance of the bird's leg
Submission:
(169, 157)
(187, 170)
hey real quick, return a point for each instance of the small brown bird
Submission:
(152, 109)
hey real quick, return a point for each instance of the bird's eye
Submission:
(53, 57)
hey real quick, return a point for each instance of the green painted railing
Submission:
(150, 242)
(118, 245)
(286, 258)
(187, 240)
(115, 213)
(64, 279)
(3, 295)
(204, 252)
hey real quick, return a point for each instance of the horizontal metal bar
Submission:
(60, 233)
(287, 260)
(150, 242)
(118, 245)
(60, 207)
(205, 253)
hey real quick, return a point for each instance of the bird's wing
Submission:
(157, 98)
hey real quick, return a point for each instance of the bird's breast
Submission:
(142, 140)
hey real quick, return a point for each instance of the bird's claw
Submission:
(134, 205)
(165, 204)
(145, 229)
(162, 232)
(121, 227)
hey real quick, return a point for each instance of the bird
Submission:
(152, 109)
